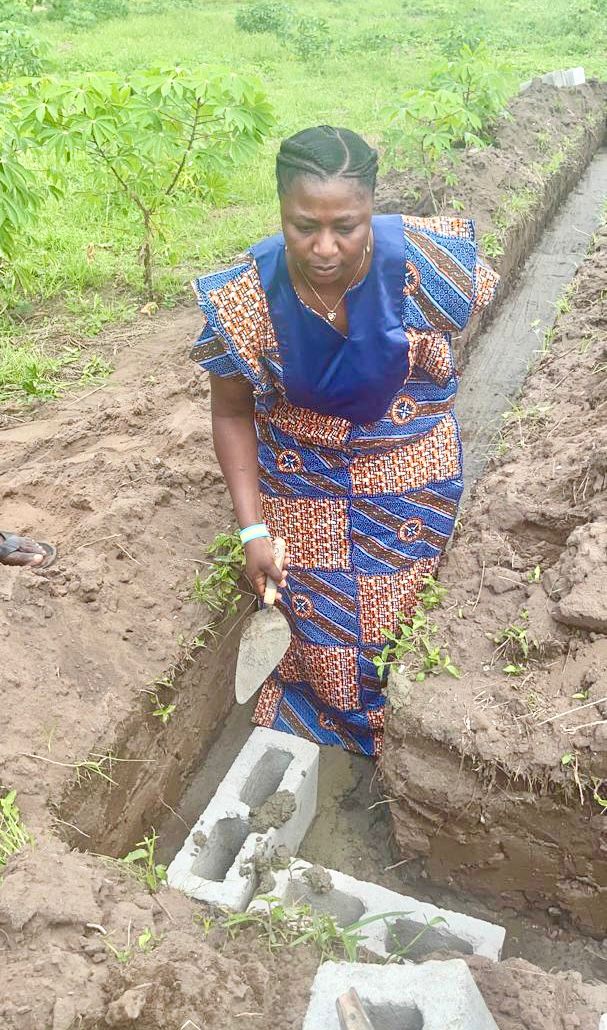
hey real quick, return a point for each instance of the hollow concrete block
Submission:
(432, 996)
(565, 77)
(216, 863)
(562, 77)
(349, 900)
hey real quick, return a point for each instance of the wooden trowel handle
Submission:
(352, 1015)
(280, 549)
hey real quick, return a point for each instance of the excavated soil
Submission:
(500, 777)
(125, 481)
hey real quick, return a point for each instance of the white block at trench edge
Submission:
(433, 995)
(603, 1022)
(351, 900)
(218, 871)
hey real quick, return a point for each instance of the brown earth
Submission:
(125, 481)
(501, 777)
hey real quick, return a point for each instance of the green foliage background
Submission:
(71, 250)
(88, 240)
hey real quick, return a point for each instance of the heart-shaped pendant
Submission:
(331, 315)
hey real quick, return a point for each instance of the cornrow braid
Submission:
(327, 153)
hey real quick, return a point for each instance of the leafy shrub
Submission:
(482, 85)
(270, 16)
(585, 24)
(21, 52)
(84, 14)
(458, 37)
(310, 38)
(371, 42)
(21, 196)
(306, 38)
(15, 12)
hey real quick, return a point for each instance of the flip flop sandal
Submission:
(11, 543)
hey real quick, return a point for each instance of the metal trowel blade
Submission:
(264, 640)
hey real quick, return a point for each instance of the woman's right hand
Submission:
(259, 555)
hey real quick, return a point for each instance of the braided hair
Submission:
(327, 153)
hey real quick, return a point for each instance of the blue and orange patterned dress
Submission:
(360, 462)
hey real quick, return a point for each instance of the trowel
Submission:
(265, 638)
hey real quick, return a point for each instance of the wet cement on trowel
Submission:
(352, 829)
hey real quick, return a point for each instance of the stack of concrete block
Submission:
(432, 996)
(406, 930)
(217, 862)
(563, 77)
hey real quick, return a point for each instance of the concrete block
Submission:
(565, 77)
(216, 863)
(349, 900)
(603, 1022)
(432, 996)
(562, 77)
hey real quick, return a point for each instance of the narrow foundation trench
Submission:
(352, 829)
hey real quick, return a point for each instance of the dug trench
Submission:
(126, 482)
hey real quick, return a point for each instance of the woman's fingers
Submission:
(261, 564)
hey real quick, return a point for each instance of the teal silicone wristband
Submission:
(254, 532)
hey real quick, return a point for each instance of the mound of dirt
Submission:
(520, 997)
(501, 776)
(105, 953)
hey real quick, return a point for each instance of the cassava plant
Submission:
(428, 126)
(22, 192)
(150, 134)
(21, 52)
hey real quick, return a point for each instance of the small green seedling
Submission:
(163, 711)
(146, 942)
(515, 645)
(414, 643)
(597, 785)
(514, 669)
(581, 695)
(535, 574)
(206, 922)
(13, 834)
(143, 865)
(219, 590)
(492, 245)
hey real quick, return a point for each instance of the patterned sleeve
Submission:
(444, 282)
(211, 353)
(486, 283)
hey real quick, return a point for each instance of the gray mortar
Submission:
(274, 812)
(281, 859)
(319, 879)
(261, 863)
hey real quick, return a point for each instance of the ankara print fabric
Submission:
(366, 509)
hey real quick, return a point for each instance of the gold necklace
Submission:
(332, 312)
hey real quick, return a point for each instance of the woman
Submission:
(332, 386)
